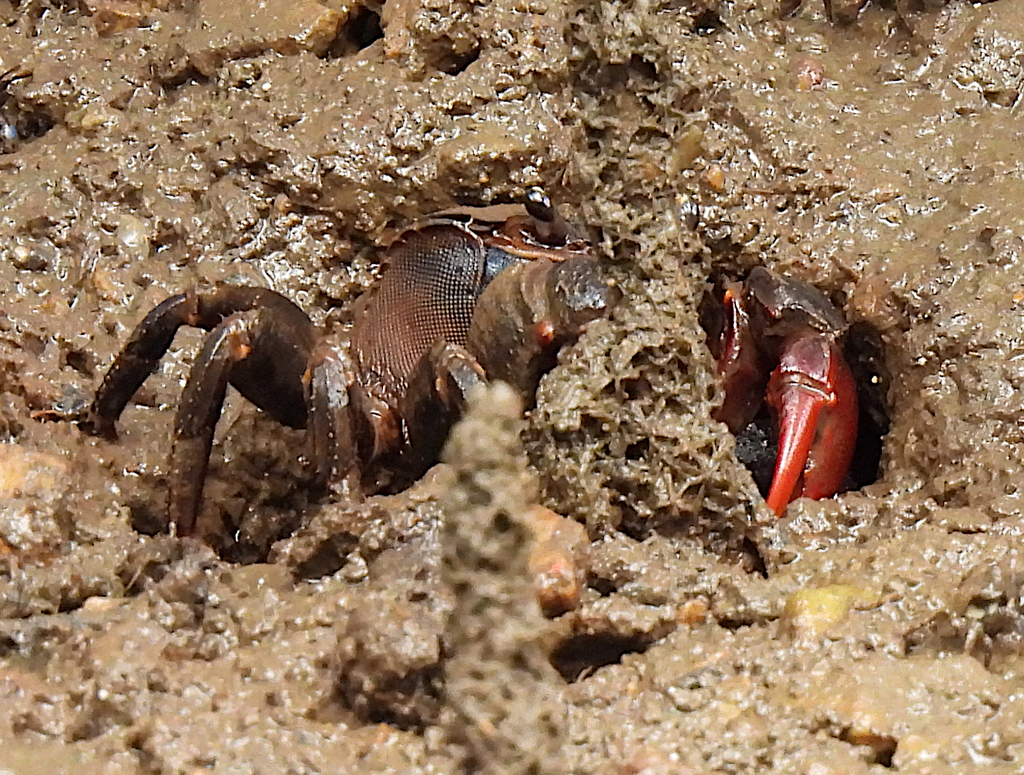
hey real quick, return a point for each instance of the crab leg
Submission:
(333, 455)
(260, 343)
(744, 375)
(439, 388)
(815, 401)
(273, 384)
(139, 359)
(529, 310)
(197, 415)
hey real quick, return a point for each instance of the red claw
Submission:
(775, 338)
(814, 397)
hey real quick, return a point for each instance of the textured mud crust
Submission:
(167, 144)
(502, 704)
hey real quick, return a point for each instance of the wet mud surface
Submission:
(164, 145)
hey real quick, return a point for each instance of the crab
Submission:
(777, 341)
(464, 298)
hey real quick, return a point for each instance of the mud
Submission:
(168, 144)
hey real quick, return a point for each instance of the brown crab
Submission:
(461, 300)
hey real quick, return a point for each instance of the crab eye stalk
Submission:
(546, 223)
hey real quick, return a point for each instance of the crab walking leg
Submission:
(439, 388)
(139, 358)
(334, 456)
(286, 337)
(815, 400)
(200, 406)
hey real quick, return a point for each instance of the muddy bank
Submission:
(165, 145)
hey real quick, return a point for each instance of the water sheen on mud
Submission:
(163, 144)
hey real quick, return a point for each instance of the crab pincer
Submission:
(778, 340)
(814, 396)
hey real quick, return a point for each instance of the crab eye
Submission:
(539, 206)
